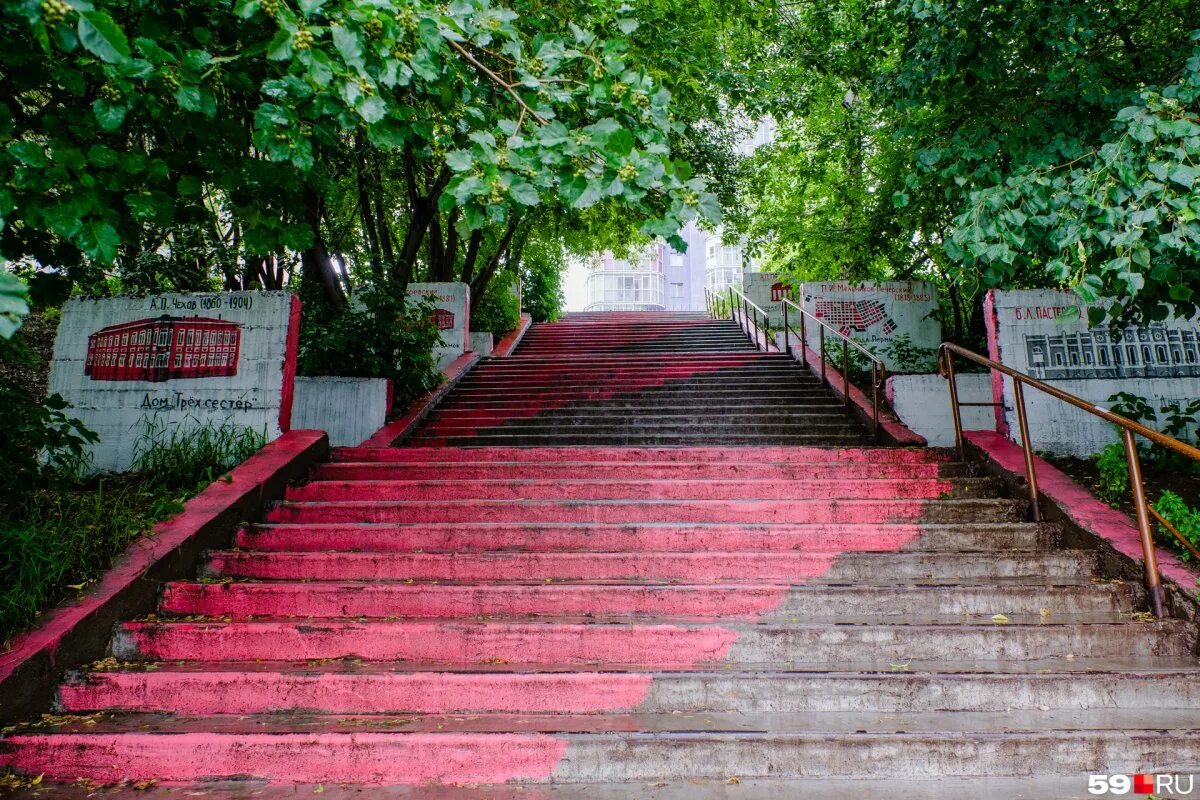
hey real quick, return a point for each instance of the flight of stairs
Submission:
(536, 591)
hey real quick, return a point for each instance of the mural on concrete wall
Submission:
(767, 290)
(452, 314)
(875, 313)
(1032, 331)
(131, 364)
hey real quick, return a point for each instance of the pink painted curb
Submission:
(80, 631)
(396, 430)
(889, 425)
(505, 346)
(1081, 507)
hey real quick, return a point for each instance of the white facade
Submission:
(636, 284)
(1031, 331)
(139, 368)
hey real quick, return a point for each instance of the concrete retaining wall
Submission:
(348, 409)
(923, 404)
(481, 342)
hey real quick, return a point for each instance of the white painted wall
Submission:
(455, 299)
(257, 395)
(757, 286)
(1031, 331)
(482, 343)
(874, 313)
(922, 402)
(350, 410)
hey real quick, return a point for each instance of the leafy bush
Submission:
(1185, 519)
(1114, 473)
(1133, 406)
(498, 311)
(379, 336)
(907, 357)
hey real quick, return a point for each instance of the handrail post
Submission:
(846, 374)
(803, 340)
(1149, 557)
(956, 412)
(876, 380)
(821, 336)
(1027, 449)
(787, 346)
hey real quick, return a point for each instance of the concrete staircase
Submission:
(535, 592)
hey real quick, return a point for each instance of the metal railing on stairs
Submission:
(718, 307)
(1129, 429)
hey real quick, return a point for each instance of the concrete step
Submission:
(598, 470)
(207, 689)
(712, 455)
(642, 642)
(615, 511)
(639, 408)
(660, 489)
(479, 537)
(765, 425)
(910, 603)
(642, 440)
(451, 420)
(689, 567)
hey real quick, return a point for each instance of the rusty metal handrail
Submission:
(750, 310)
(1129, 428)
(878, 370)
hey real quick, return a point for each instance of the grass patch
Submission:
(55, 541)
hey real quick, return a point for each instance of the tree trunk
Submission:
(316, 265)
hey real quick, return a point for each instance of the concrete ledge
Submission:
(80, 632)
(891, 429)
(400, 428)
(1090, 523)
(505, 346)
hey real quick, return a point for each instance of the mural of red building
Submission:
(443, 319)
(164, 348)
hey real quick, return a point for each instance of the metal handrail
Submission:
(1129, 429)
(878, 370)
(751, 311)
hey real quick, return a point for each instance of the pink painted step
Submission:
(686, 566)
(669, 455)
(662, 489)
(445, 642)
(381, 600)
(594, 470)
(615, 511)
(385, 537)
(238, 691)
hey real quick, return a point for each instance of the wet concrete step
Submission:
(659, 489)
(910, 603)
(642, 440)
(639, 408)
(644, 642)
(477, 537)
(202, 690)
(691, 567)
(694, 470)
(615, 511)
(652, 426)
(713, 455)
(451, 420)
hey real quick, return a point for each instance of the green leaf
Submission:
(372, 110)
(348, 44)
(99, 34)
(13, 304)
(98, 240)
(524, 193)
(459, 160)
(310, 6)
(590, 196)
(1184, 175)
(899, 199)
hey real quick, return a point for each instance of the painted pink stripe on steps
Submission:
(594, 471)
(571, 489)
(435, 642)
(751, 511)
(599, 538)
(367, 758)
(693, 567)
(241, 692)
(333, 599)
(754, 454)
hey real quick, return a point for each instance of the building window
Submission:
(676, 290)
